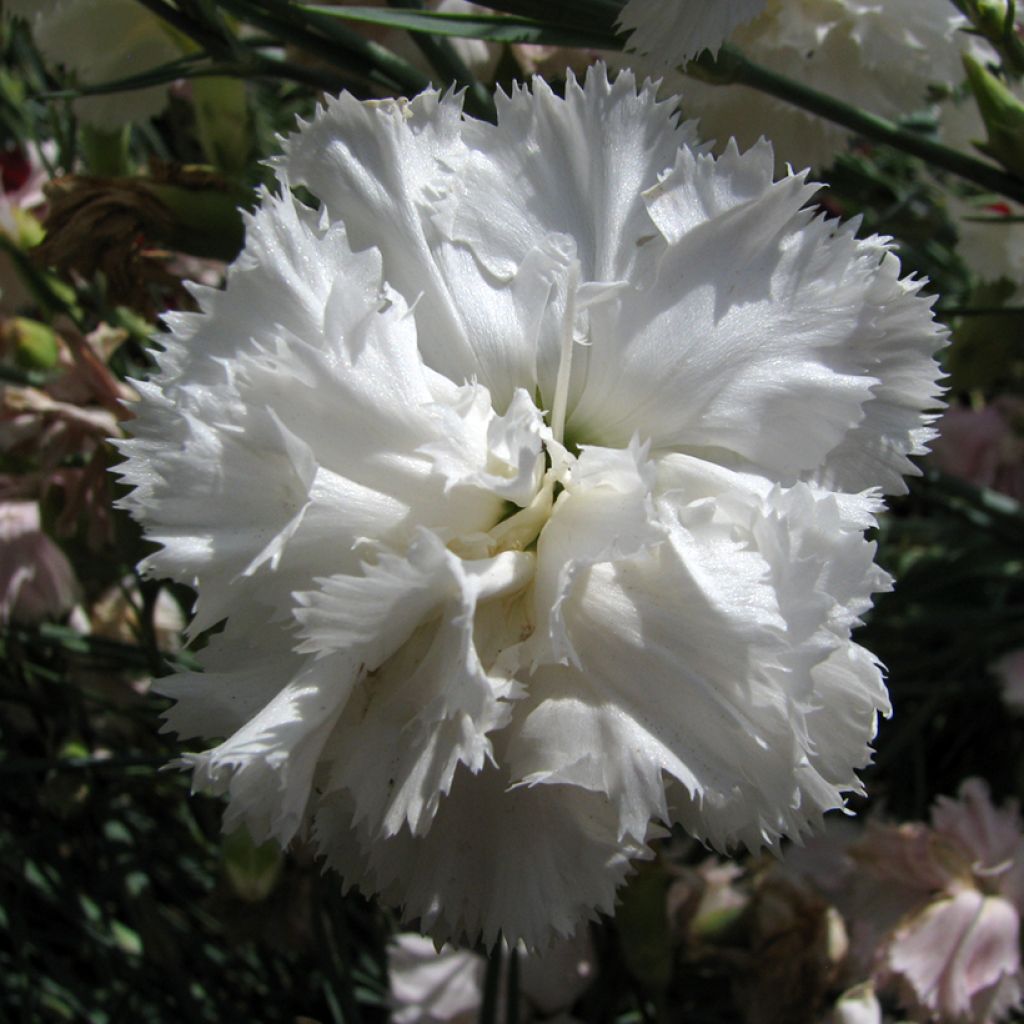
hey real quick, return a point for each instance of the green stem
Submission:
(325, 38)
(442, 55)
(211, 43)
(950, 311)
(596, 15)
(492, 981)
(512, 988)
(732, 67)
(36, 765)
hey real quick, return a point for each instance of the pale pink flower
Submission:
(72, 417)
(932, 910)
(992, 837)
(983, 446)
(956, 954)
(1009, 670)
(36, 579)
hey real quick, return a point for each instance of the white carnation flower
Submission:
(530, 474)
(671, 32)
(103, 41)
(875, 54)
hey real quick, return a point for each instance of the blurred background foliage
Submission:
(120, 899)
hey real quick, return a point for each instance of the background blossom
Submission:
(670, 34)
(881, 57)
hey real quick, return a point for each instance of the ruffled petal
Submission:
(754, 373)
(267, 766)
(670, 33)
(427, 702)
(390, 171)
(896, 348)
(530, 863)
(217, 520)
(739, 608)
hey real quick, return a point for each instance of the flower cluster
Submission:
(881, 57)
(530, 474)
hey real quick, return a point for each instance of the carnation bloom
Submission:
(530, 473)
(671, 33)
(880, 56)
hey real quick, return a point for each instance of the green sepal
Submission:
(1003, 114)
(251, 868)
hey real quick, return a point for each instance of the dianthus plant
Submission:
(529, 476)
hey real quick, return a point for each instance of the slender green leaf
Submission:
(492, 28)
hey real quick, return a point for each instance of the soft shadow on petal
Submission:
(466, 876)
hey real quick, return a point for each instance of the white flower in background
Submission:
(103, 41)
(671, 32)
(990, 239)
(858, 1005)
(530, 474)
(431, 986)
(881, 56)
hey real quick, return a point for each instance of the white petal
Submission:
(896, 348)
(705, 658)
(387, 170)
(267, 766)
(671, 32)
(881, 57)
(605, 513)
(753, 368)
(207, 497)
(580, 165)
(530, 863)
(427, 703)
(498, 454)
